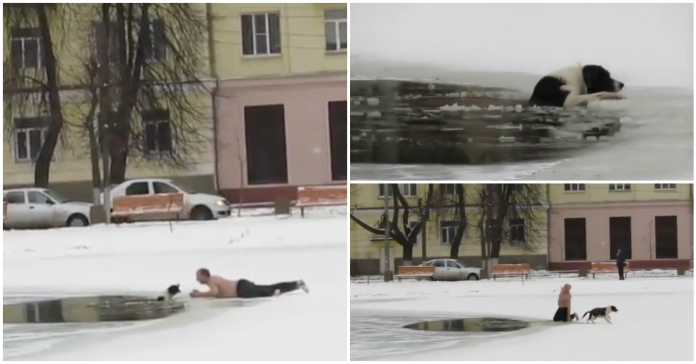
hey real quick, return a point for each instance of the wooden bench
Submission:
(4, 215)
(416, 272)
(124, 207)
(511, 270)
(605, 268)
(691, 262)
(321, 196)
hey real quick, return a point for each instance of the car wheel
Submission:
(77, 220)
(472, 277)
(201, 213)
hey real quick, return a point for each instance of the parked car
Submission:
(198, 206)
(41, 208)
(453, 270)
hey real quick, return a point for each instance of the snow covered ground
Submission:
(146, 258)
(655, 320)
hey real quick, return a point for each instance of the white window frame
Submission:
(266, 33)
(43, 130)
(23, 40)
(665, 186)
(574, 187)
(619, 187)
(156, 122)
(336, 23)
(516, 225)
(410, 190)
(384, 187)
(447, 230)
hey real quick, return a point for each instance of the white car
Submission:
(453, 270)
(41, 208)
(198, 206)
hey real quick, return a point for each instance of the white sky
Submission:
(641, 44)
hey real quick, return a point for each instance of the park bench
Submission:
(321, 196)
(606, 268)
(414, 272)
(4, 211)
(147, 206)
(511, 270)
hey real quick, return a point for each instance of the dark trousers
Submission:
(247, 289)
(621, 270)
(562, 315)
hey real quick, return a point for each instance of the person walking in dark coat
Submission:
(620, 263)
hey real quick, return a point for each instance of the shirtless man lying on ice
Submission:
(219, 287)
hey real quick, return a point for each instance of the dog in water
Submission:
(603, 312)
(576, 86)
(169, 294)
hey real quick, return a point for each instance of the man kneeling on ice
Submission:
(220, 287)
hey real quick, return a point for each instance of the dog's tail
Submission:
(583, 316)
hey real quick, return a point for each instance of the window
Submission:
(138, 188)
(266, 150)
(666, 241)
(336, 29)
(26, 48)
(448, 229)
(517, 231)
(30, 134)
(338, 138)
(410, 190)
(665, 186)
(518, 188)
(619, 187)
(156, 46)
(100, 43)
(260, 34)
(38, 198)
(575, 236)
(448, 189)
(14, 197)
(574, 187)
(157, 131)
(439, 263)
(385, 189)
(159, 187)
(620, 236)
(452, 264)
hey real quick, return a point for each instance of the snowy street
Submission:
(146, 258)
(655, 320)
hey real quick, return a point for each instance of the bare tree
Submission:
(405, 235)
(509, 215)
(30, 80)
(452, 207)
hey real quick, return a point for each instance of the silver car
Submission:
(453, 270)
(41, 208)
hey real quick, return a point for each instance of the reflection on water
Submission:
(408, 122)
(472, 324)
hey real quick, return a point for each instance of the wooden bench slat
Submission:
(147, 204)
(522, 269)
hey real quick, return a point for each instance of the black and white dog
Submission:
(603, 312)
(172, 291)
(575, 86)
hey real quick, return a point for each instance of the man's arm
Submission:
(212, 292)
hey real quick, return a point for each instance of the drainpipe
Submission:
(212, 63)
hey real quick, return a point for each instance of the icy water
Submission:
(655, 141)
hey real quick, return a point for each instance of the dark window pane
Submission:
(260, 23)
(247, 35)
(137, 188)
(261, 45)
(265, 144)
(330, 32)
(159, 40)
(164, 137)
(17, 54)
(274, 33)
(151, 137)
(14, 197)
(343, 33)
(31, 53)
(21, 141)
(35, 142)
(159, 187)
(338, 139)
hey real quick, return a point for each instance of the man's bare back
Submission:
(225, 288)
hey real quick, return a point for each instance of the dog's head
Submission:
(613, 309)
(598, 79)
(173, 290)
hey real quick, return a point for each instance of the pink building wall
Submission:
(306, 126)
(597, 230)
